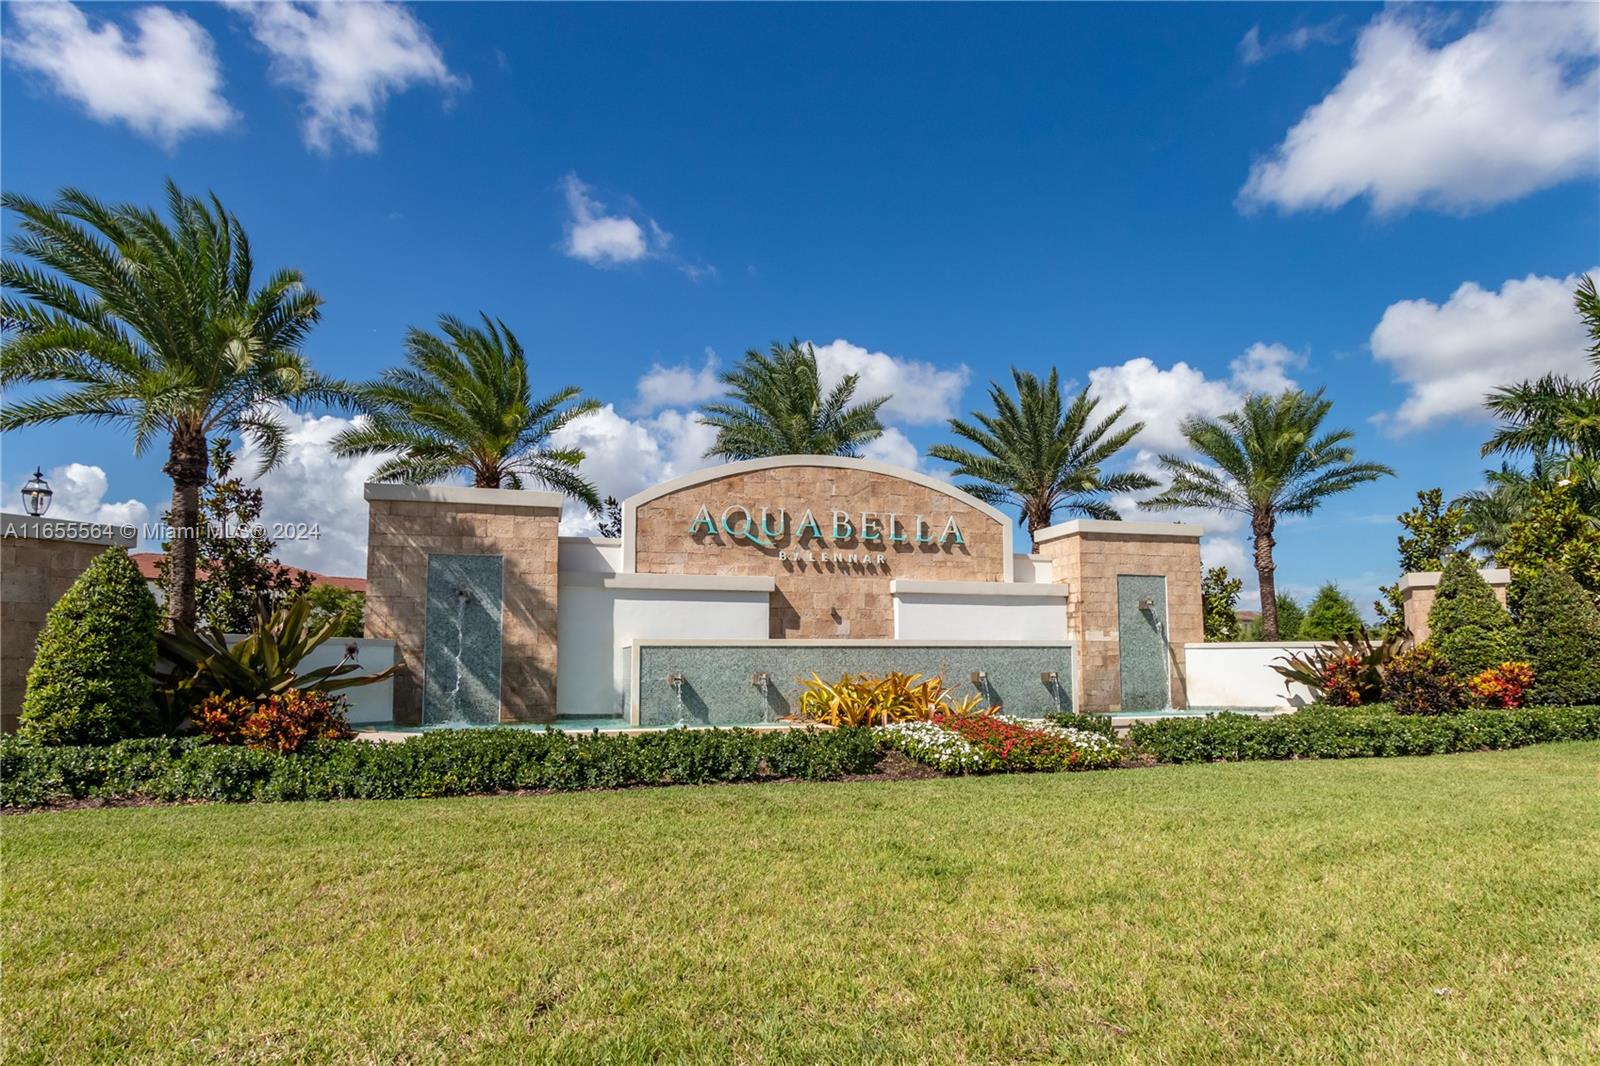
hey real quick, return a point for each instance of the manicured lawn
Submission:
(1382, 910)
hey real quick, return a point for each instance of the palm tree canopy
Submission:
(155, 325)
(781, 409)
(1042, 455)
(1266, 456)
(463, 402)
(1555, 416)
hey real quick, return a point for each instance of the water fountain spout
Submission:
(763, 681)
(675, 679)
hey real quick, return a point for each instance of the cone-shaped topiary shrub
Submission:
(1561, 630)
(1469, 627)
(91, 675)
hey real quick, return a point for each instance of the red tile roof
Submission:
(146, 561)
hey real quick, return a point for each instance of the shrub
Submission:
(1504, 686)
(1561, 631)
(1347, 674)
(1468, 626)
(446, 763)
(862, 700)
(345, 607)
(281, 723)
(1419, 681)
(1339, 733)
(1330, 616)
(90, 680)
(265, 663)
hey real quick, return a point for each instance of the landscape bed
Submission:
(1381, 910)
(467, 762)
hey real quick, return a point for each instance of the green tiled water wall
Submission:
(717, 687)
(1142, 642)
(461, 646)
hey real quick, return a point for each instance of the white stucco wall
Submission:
(958, 610)
(589, 555)
(368, 704)
(1241, 675)
(599, 619)
(1031, 569)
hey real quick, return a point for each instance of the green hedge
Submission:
(437, 764)
(1356, 732)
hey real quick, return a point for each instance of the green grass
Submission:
(1389, 910)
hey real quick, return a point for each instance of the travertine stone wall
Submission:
(408, 523)
(1418, 591)
(1088, 556)
(817, 597)
(35, 571)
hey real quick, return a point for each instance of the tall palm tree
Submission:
(155, 325)
(1265, 460)
(781, 409)
(1555, 416)
(1041, 457)
(463, 402)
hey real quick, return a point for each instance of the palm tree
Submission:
(781, 409)
(1554, 416)
(462, 402)
(156, 326)
(1040, 457)
(1266, 460)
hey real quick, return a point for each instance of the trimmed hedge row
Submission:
(437, 764)
(1357, 732)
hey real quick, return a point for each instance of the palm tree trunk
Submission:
(186, 466)
(1262, 523)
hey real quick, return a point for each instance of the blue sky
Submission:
(1171, 203)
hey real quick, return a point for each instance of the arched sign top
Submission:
(940, 530)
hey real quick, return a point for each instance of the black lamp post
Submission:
(36, 494)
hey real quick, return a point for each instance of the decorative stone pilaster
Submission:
(1419, 588)
(1110, 569)
(409, 523)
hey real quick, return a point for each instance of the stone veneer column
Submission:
(408, 523)
(1087, 555)
(40, 558)
(1419, 589)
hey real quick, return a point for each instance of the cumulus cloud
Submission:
(1163, 398)
(893, 448)
(1451, 355)
(678, 386)
(347, 59)
(1509, 107)
(316, 487)
(162, 80)
(919, 392)
(80, 494)
(1265, 368)
(601, 237)
(623, 455)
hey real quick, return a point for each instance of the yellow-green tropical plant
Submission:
(864, 700)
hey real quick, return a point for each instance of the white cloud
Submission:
(1265, 367)
(602, 238)
(623, 455)
(80, 493)
(1451, 355)
(162, 81)
(893, 448)
(1161, 399)
(919, 393)
(1510, 107)
(346, 59)
(678, 386)
(314, 486)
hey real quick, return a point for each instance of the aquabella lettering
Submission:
(767, 525)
